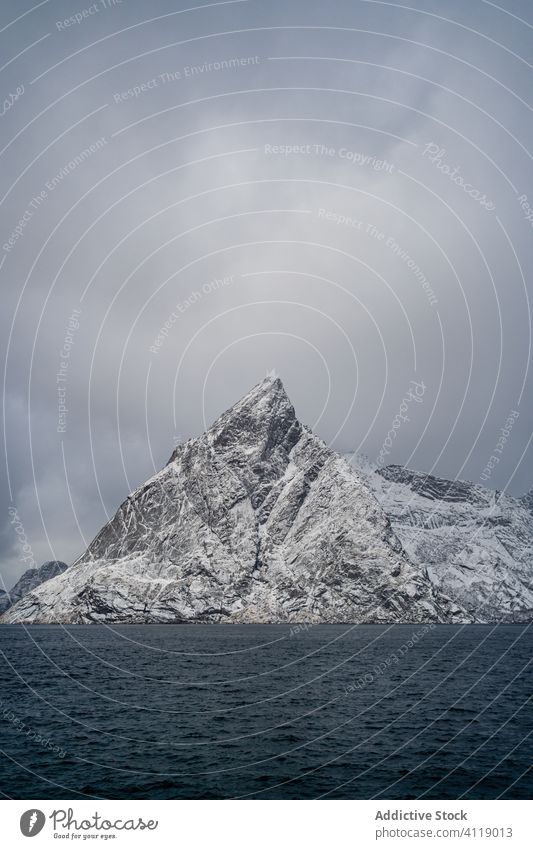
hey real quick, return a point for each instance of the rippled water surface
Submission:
(261, 711)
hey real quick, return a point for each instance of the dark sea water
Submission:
(194, 711)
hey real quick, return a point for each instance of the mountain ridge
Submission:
(258, 520)
(29, 580)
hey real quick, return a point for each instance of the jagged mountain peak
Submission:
(255, 520)
(266, 400)
(262, 422)
(258, 520)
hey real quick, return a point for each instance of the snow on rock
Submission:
(257, 520)
(31, 579)
(477, 543)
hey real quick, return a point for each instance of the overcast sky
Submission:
(337, 191)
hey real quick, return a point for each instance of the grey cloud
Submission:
(189, 196)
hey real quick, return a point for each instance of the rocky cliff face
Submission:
(30, 580)
(257, 520)
(477, 544)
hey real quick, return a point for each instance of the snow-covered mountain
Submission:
(257, 520)
(476, 543)
(30, 580)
